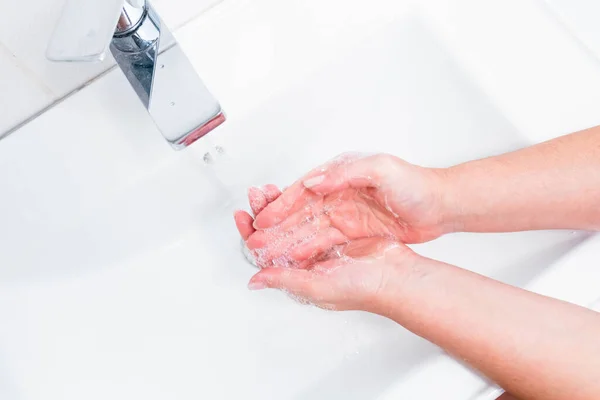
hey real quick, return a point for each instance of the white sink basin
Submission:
(121, 274)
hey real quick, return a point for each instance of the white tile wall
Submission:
(28, 82)
(20, 91)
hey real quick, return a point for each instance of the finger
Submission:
(362, 173)
(243, 222)
(299, 282)
(289, 202)
(272, 244)
(260, 198)
(320, 244)
(294, 199)
(271, 192)
(276, 211)
(257, 200)
(312, 208)
(277, 236)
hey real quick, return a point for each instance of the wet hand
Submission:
(348, 198)
(258, 198)
(411, 194)
(359, 275)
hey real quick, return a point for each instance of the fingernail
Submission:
(257, 285)
(314, 181)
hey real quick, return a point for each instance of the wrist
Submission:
(451, 200)
(405, 271)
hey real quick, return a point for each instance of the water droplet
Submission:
(162, 66)
(219, 149)
(172, 103)
(208, 158)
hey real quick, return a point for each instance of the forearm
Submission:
(533, 346)
(552, 185)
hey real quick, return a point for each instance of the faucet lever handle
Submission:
(84, 30)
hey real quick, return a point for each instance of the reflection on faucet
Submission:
(162, 76)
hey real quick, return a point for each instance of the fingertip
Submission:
(257, 199)
(237, 214)
(256, 285)
(243, 222)
(263, 279)
(271, 192)
(253, 191)
(258, 281)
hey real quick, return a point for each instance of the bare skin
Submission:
(507, 396)
(346, 209)
(553, 185)
(533, 346)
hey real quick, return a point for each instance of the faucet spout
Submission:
(159, 72)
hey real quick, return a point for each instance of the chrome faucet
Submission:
(162, 76)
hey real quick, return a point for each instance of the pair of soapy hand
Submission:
(335, 238)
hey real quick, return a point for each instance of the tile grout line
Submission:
(56, 102)
(69, 94)
(32, 76)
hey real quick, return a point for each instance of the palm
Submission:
(356, 214)
(379, 196)
(416, 210)
(360, 213)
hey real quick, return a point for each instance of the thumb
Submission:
(358, 174)
(296, 281)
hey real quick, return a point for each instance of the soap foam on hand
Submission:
(301, 226)
(336, 232)
(313, 250)
(318, 231)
